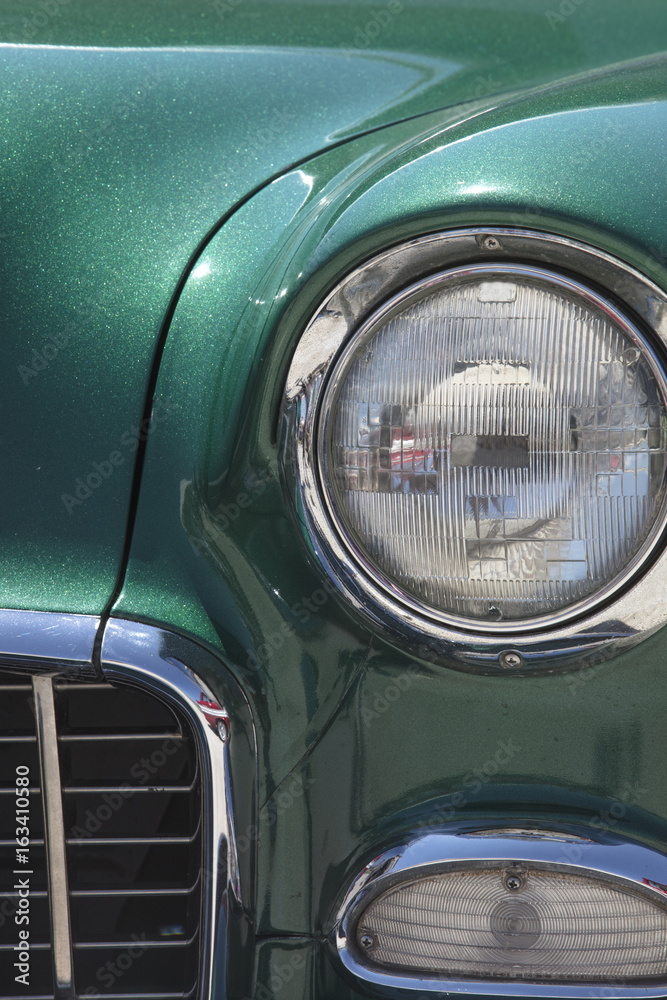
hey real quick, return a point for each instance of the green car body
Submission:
(182, 185)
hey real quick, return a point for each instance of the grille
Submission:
(133, 840)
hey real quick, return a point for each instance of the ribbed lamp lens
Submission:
(494, 445)
(558, 926)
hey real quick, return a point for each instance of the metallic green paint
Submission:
(492, 45)
(344, 769)
(129, 160)
(117, 162)
(416, 745)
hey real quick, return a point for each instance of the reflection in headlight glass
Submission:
(496, 448)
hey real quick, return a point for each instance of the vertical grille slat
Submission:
(54, 829)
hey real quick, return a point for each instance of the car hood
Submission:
(128, 137)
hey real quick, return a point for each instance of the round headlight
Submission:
(492, 445)
(478, 447)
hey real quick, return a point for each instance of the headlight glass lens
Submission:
(492, 445)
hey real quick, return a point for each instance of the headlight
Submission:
(492, 446)
(480, 457)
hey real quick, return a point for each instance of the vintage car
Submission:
(334, 499)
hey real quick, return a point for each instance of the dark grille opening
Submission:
(98, 709)
(138, 761)
(159, 917)
(18, 746)
(125, 865)
(140, 969)
(132, 812)
(17, 711)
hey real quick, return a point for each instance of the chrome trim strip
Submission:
(63, 643)
(160, 662)
(54, 837)
(625, 621)
(642, 869)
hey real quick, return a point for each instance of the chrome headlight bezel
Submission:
(634, 606)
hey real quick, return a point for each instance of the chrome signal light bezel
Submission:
(629, 610)
(579, 851)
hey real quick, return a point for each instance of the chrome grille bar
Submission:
(54, 826)
(83, 893)
(108, 737)
(136, 790)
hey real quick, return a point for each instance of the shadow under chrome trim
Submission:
(623, 864)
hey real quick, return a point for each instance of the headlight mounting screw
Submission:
(511, 660)
(366, 940)
(491, 243)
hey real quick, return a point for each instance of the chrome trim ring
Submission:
(641, 869)
(592, 635)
